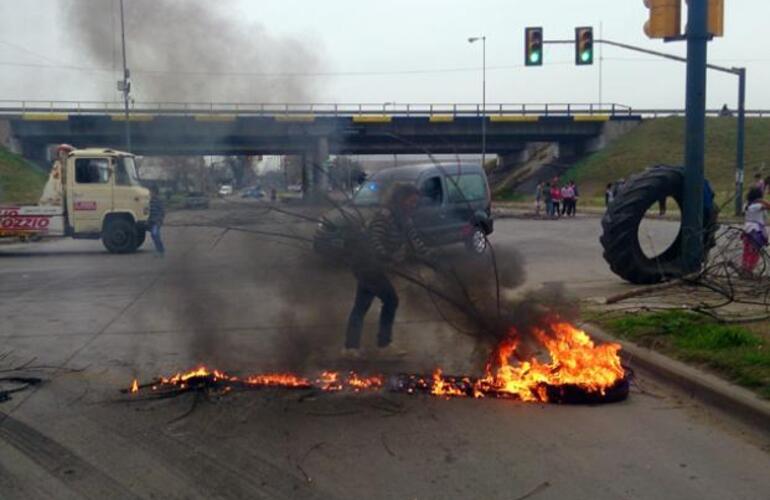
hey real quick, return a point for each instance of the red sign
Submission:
(85, 205)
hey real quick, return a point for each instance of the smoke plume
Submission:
(194, 51)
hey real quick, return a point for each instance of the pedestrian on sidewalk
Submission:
(575, 197)
(609, 195)
(538, 197)
(754, 230)
(548, 201)
(555, 199)
(155, 220)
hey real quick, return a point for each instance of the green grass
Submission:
(20, 181)
(740, 354)
(662, 141)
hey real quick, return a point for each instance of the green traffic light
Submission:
(585, 56)
(534, 57)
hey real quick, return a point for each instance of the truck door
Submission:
(91, 194)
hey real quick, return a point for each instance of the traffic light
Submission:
(716, 20)
(533, 46)
(665, 18)
(584, 46)
(717, 17)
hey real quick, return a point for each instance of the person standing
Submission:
(538, 197)
(391, 237)
(754, 230)
(609, 194)
(547, 198)
(575, 197)
(555, 199)
(155, 220)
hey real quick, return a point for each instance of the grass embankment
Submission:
(20, 181)
(739, 353)
(661, 141)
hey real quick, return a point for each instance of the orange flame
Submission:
(574, 361)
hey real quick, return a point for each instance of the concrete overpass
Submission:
(314, 130)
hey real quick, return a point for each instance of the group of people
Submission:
(557, 199)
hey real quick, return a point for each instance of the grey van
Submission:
(455, 206)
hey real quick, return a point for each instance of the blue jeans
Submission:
(155, 234)
(372, 284)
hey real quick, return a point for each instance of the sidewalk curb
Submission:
(704, 387)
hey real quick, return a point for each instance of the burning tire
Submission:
(620, 238)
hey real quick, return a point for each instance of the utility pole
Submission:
(692, 212)
(483, 40)
(739, 173)
(125, 84)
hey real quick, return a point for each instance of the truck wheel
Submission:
(477, 241)
(119, 236)
(620, 225)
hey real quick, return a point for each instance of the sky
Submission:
(367, 51)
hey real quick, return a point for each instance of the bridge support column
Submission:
(315, 177)
(321, 168)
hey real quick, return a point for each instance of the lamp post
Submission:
(125, 84)
(483, 40)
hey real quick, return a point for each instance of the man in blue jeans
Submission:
(157, 214)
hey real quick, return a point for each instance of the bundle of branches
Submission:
(723, 289)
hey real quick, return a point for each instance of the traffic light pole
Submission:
(739, 72)
(695, 134)
(126, 87)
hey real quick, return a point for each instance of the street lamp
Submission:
(483, 39)
(125, 84)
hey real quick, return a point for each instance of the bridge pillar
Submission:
(315, 177)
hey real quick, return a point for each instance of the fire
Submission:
(575, 363)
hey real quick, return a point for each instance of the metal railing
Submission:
(323, 109)
(15, 107)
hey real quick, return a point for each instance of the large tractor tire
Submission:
(119, 235)
(620, 225)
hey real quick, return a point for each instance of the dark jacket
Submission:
(389, 240)
(157, 211)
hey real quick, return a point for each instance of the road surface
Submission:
(89, 322)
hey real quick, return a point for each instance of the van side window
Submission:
(431, 192)
(467, 187)
(92, 170)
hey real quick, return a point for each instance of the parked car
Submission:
(225, 190)
(253, 192)
(196, 200)
(455, 207)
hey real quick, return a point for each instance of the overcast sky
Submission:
(393, 51)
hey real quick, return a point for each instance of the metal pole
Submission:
(125, 80)
(739, 163)
(692, 212)
(601, 64)
(484, 102)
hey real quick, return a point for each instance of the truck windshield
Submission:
(125, 172)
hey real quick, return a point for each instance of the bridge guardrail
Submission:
(14, 107)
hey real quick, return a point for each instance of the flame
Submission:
(574, 361)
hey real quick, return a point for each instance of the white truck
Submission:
(90, 194)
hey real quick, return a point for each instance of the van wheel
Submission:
(477, 242)
(119, 236)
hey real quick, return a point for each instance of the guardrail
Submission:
(15, 107)
(322, 109)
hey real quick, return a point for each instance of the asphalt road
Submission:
(88, 322)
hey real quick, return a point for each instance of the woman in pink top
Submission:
(556, 199)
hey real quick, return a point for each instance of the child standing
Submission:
(754, 229)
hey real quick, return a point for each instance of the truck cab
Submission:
(104, 199)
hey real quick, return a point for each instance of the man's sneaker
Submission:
(391, 352)
(351, 354)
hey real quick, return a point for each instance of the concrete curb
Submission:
(704, 387)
